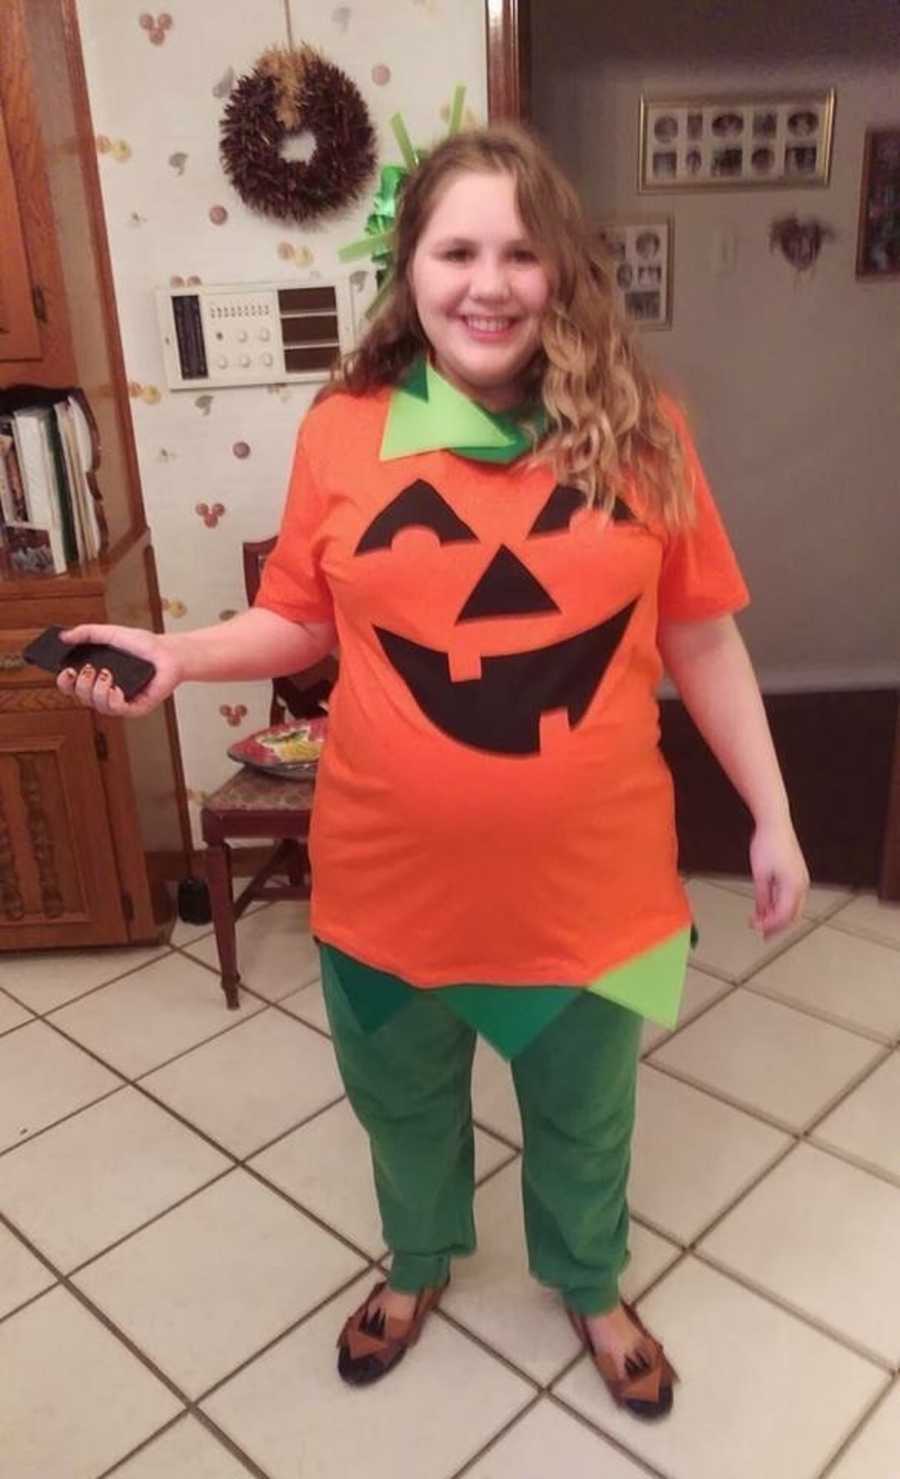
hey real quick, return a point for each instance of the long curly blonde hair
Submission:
(606, 420)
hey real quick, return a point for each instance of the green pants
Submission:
(409, 1083)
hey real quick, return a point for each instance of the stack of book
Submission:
(48, 514)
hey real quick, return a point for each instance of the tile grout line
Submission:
(189, 1405)
(857, 1162)
(818, 1014)
(236, 1164)
(682, 1027)
(63, 1119)
(495, 1171)
(136, 1082)
(851, 893)
(17, 1026)
(865, 1353)
(799, 1136)
(91, 990)
(851, 1089)
(612, 1439)
(500, 1135)
(192, 1405)
(859, 1427)
(855, 933)
(692, 1249)
(489, 1350)
(802, 1009)
(335, 1294)
(758, 1115)
(133, 1080)
(291, 1130)
(142, 1446)
(497, 1437)
(228, 1443)
(799, 1132)
(801, 932)
(543, 1390)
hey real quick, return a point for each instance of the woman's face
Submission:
(479, 289)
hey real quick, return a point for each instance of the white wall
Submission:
(792, 381)
(150, 102)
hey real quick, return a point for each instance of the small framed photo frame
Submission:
(878, 242)
(736, 142)
(641, 268)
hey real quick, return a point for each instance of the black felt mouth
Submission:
(501, 711)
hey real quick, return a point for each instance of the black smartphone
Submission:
(130, 673)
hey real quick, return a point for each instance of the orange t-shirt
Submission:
(492, 805)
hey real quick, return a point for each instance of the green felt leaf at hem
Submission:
(651, 983)
(509, 1017)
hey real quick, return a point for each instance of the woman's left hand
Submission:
(780, 876)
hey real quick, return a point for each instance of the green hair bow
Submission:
(381, 224)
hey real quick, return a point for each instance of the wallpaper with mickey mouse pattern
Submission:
(214, 465)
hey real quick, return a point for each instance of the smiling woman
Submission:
(504, 520)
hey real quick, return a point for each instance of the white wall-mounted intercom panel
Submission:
(218, 335)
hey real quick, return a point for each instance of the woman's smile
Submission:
(487, 329)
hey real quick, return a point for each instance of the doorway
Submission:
(783, 371)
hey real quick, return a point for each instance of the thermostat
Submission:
(262, 334)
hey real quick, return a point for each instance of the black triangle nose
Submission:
(507, 588)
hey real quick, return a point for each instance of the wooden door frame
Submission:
(508, 33)
(508, 38)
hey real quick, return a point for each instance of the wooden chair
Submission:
(252, 805)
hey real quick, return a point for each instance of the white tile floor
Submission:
(186, 1217)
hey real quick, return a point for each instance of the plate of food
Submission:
(290, 749)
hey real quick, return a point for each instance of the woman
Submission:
(504, 524)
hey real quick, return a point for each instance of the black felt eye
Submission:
(563, 503)
(420, 506)
(621, 513)
(557, 512)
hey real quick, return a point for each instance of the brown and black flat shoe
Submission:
(371, 1345)
(646, 1387)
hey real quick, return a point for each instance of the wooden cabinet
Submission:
(51, 803)
(93, 818)
(19, 336)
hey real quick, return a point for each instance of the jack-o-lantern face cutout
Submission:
(500, 711)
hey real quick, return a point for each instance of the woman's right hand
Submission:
(98, 691)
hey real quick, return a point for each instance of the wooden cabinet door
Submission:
(19, 335)
(58, 875)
